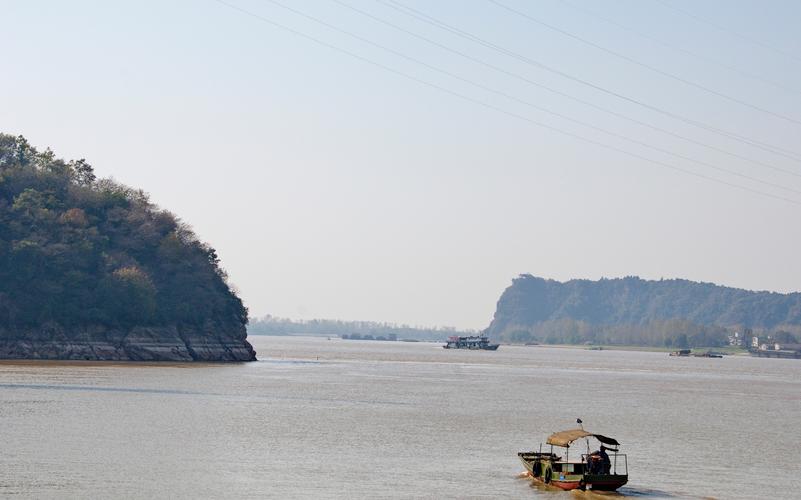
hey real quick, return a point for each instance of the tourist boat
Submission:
(473, 342)
(599, 470)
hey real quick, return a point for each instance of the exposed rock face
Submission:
(140, 344)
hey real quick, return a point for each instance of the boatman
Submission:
(606, 464)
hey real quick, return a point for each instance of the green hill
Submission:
(91, 269)
(634, 311)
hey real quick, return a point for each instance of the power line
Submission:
(409, 11)
(498, 109)
(719, 27)
(530, 104)
(563, 94)
(644, 65)
(676, 48)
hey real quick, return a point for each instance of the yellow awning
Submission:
(564, 438)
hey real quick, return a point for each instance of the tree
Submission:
(785, 337)
(82, 172)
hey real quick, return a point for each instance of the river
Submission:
(318, 418)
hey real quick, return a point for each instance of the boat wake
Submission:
(645, 493)
(624, 492)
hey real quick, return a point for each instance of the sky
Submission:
(355, 159)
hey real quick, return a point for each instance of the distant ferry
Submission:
(474, 342)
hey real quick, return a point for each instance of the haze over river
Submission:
(319, 418)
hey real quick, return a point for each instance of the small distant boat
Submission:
(599, 470)
(473, 342)
(687, 352)
(708, 354)
(682, 352)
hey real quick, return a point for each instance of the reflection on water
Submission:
(351, 419)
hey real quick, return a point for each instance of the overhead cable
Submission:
(753, 41)
(696, 55)
(564, 94)
(499, 109)
(409, 11)
(530, 104)
(644, 65)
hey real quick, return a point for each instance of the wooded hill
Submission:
(634, 311)
(91, 269)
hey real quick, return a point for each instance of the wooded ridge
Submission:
(634, 311)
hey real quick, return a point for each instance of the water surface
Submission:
(319, 418)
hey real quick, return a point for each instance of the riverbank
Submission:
(728, 350)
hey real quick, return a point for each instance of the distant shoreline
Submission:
(729, 351)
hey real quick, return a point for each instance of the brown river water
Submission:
(318, 418)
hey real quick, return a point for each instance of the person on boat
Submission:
(606, 464)
(594, 462)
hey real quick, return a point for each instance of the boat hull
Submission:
(567, 485)
(536, 467)
(607, 482)
(490, 347)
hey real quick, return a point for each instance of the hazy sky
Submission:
(332, 187)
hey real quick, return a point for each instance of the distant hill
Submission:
(635, 311)
(270, 325)
(91, 269)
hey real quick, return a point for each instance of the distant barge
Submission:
(682, 353)
(687, 352)
(783, 353)
(476, 342)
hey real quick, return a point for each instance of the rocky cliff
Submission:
(138, 344)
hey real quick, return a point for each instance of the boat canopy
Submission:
(564, 438)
